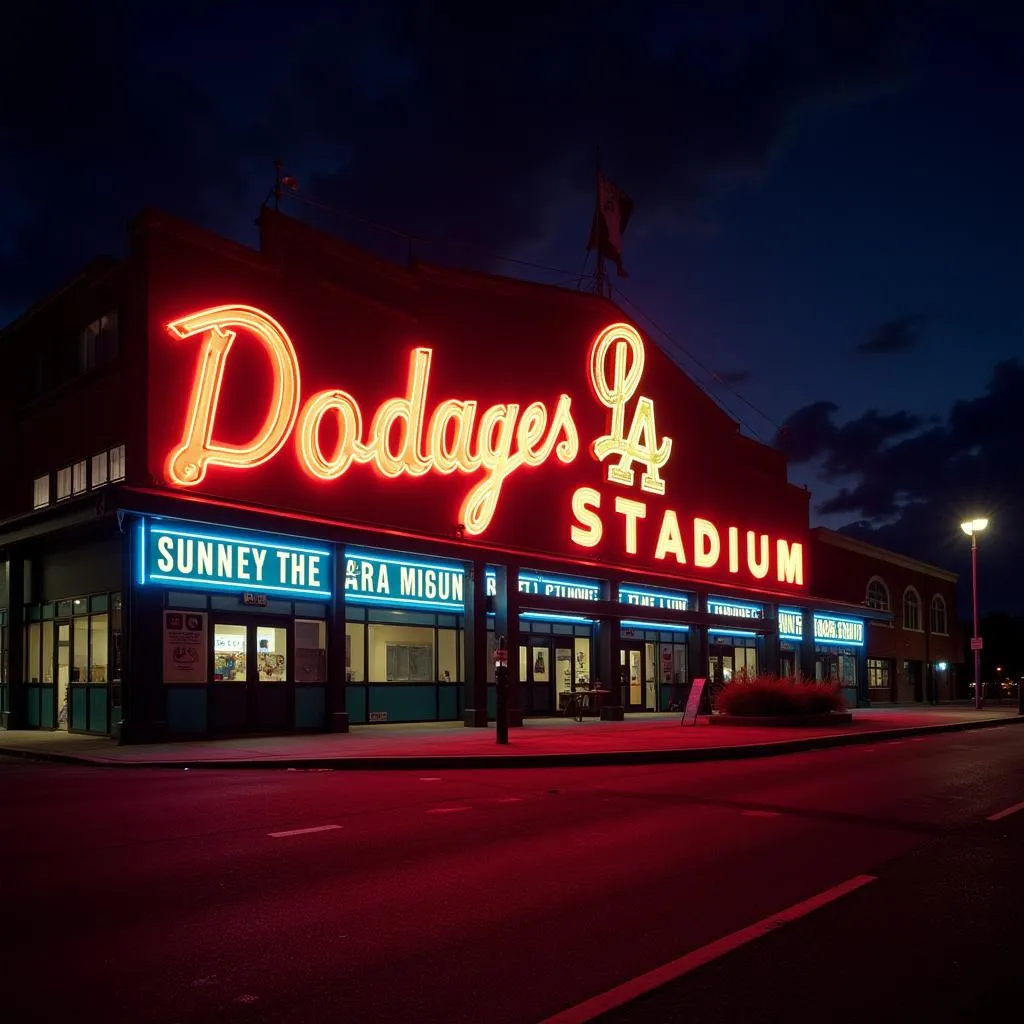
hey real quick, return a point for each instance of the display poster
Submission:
(693, 702)
(185, 647)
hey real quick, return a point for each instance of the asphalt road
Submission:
(494, 896)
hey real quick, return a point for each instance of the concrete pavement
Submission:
(643, 739)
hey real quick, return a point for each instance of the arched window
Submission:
(911, 609)
(939, 614)
(878, 595)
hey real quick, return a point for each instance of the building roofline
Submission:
(95, 270)
(841, 540)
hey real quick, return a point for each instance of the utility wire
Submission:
(689, 355)
(565, 278)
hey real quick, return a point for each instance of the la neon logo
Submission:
(457, 437)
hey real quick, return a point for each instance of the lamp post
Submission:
(972, 527)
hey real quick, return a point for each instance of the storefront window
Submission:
(32, 652)
(310, 651)
(581, 666)
(401, 654)
(229, 651)
(271, 654)
(355, 651)
(47, 666)
(98, 648)
(447, 668)
(80, 651)
(878, 674)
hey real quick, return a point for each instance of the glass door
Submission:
(252, 681)
(631, 661)
(535, 686)
(63, 674)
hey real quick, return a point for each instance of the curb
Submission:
(587, 759)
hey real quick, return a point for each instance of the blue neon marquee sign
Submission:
(572, 588)
(381, 578)
(828, 629)
(644, 597)
(831, 629)
(735, 609)
(199, 557)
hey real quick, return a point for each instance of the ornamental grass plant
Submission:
(768, 695)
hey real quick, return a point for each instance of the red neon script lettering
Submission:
(401, 438)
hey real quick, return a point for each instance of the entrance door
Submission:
(252, 678)
(639, 671)
(720, 664)
(542, 662)
(63, 674)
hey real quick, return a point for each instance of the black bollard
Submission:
(501, 703)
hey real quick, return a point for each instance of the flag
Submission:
(611, 215)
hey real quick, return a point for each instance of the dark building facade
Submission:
(294, 488)
(915, 656)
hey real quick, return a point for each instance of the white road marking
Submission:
(510, 800)
(760, 814)
(302, 831)
(593, 1008)
(446, 810)
(1006, 812)
(430, 778)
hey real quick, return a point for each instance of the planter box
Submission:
(830, 718)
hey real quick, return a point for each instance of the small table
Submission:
(579, 700)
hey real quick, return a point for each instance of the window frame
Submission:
(36, 503)
(938, 602)
(887, 606)
(911, 592)
(64, 474)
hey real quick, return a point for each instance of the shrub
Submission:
(769, 695)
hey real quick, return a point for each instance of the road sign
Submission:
(977, 643)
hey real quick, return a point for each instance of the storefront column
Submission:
(143, 712)
(474, 689)
(337, 642)
(698, 668)
(768, 654)
(609, 667)
(506, 624)
(806, 653)
(14, 578)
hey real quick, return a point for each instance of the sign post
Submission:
(501, 690)
(693, 702)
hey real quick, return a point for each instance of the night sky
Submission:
(829, 223)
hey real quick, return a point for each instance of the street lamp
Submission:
(972, 527)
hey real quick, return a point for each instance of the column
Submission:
(14, 577)
(336, 706)
(609, 655)
(697, 664)
(143, 711)
(474, 687)
(506, 623)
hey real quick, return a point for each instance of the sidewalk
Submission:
(645, 739)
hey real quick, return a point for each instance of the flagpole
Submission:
(599, 278)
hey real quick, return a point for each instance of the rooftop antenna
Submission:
(281, 183)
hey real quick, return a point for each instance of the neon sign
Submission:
(570, 588)
(644, 597)
(454, 438)
(828, 629)
(734, 609)
(231, 560)
(377, 578)
(415, 435)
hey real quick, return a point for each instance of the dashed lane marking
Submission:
(446, 810)
(1006, 812)
(593, 1008)
(302, 831)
